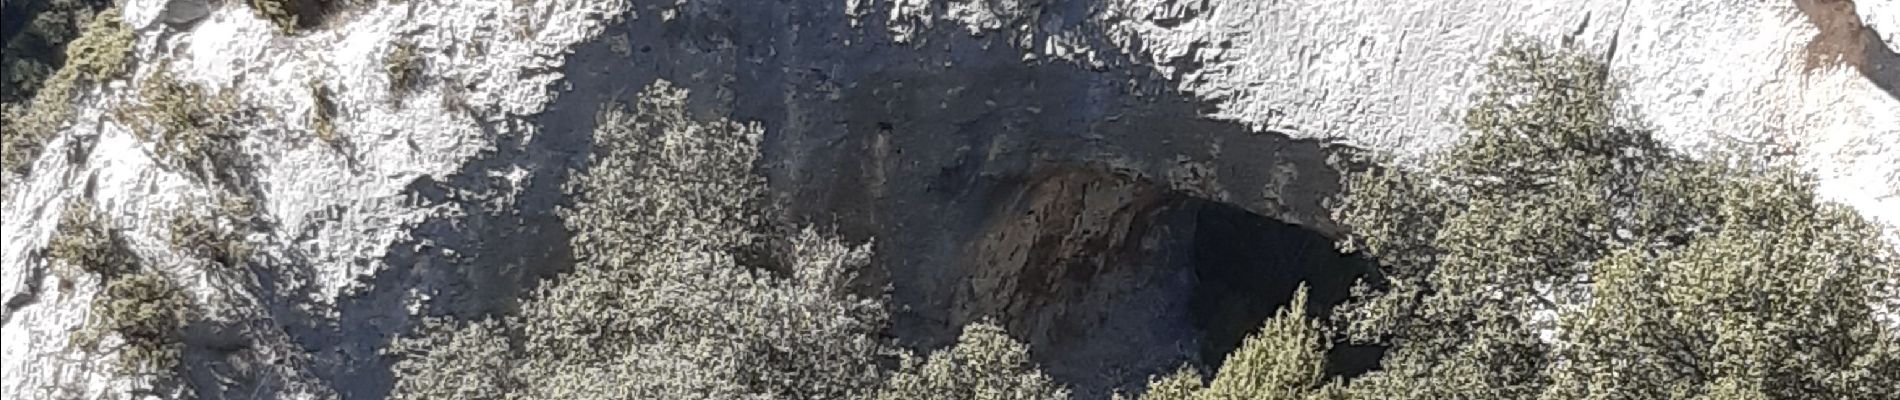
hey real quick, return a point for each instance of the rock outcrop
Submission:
(1078, 157)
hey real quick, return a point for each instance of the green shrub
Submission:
(1285, 360)
(1558, 253)
(85, 241)
(293, 15)
(197, 236)
(322, 111)
(1183, 384)
(101, 53)
(35, 47)
(187, 126)
(1774, 304)
(149, 313)
(479, 355)
(658, 306)
(237, 208)
(403, 67)
(985, 364)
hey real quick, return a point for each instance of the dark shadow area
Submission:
(275, 336)
(1846, 40)
(502, 239)
(1247, 267)
(1112, 279)
(936, 148)
(309, 14)
(496, 239)
(935, 145)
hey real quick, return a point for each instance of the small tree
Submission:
(292, 15)
(659, 305)
(1496, 233)
(403, 67)
(85, 241)
(186, 125)
(148, 312)
(101, 53)
(1286, 360)
(1774, 305)
(985, 364)
(1559, 252)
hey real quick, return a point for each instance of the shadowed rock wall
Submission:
(1061, 198)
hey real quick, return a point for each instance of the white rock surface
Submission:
(338, 208)
(1884, 17)
(1393, 75)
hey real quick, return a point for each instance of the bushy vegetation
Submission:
(291, 16)
(403, 67)
(984, 364)
(199, 236)
(148, 312)
(83, 241)
(37, 34)
(141, 307)
(1558, 251)
(1285, 360)
(188, 127)
(102, 52)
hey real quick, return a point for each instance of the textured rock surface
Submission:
(335, 271)
(1087, 265)
(1801, 79)
(924, 124)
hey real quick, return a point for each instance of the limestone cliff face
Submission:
(1815, 81)
(1069, 167)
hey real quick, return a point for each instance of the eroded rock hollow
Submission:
(1105, 272)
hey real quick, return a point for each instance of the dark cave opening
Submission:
(1113, 278)
(1247, 267)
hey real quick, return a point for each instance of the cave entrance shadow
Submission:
(1247, 267)
(919, 143)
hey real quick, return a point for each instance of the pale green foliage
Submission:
(1184, 384)
(1774, 305)
(101, 53)
(188, 126)
(200, 236)
(85, 241)
(661, 180)
(1460, 280)
(291, 15)
(474, 362)
(985, 364)
(148, 312)
(695, 324)
(144, 309)
(1557, 252)
(658, 306)
(403, 67)
(32, 52)
(322, 111)
(1285, 360)
(278, 12)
